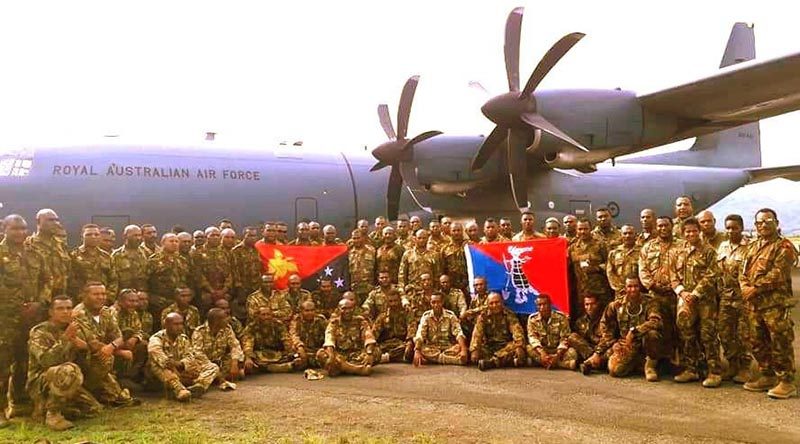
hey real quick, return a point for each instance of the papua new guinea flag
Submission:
(310, 263)
(522, 270)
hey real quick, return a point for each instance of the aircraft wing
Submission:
(791, 172)
(742, 93)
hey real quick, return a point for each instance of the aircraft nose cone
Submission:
(505, 109)
(388, 152)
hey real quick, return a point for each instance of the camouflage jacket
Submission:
(654, 263)
(165, 273)
(22, 279)
(47, 348)
(308, 334)
(498, 329)
(277, 303)
(716, 240)
(218, 347)
(130, 268)
(375, 303)
(326, 303)
(56, 262)
(394, 324)
(550, 335)
(247, 268)
(161, 349)
(296, 298)
(213, 269)
(454, 263)
(454, 301)
(618, 319)
(694, 269)
(417, 262)
(191, 317)
(622, 262)
(96, 332)
(387, 257)
(767, 267)
(271, 335)
(348, 336)
(147, 321)
(730, 258)
(438, 244)
(589, 329)
(362, 267)
(611, 239)
(590, 278)
(130, 325)
(442, 331)
(91, 264)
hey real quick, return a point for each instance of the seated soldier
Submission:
(99, 329)
(349, 344)
(236, 324)
(439, 338)
(296, 294)
(267, 296)
(548, 331)
(418, 301)
(183, 306)
(631, 335)
(453, 297)
(498, 339)
(307, 332)
(216, 340)
(376, 300)
(266, 345)
(326, 296)
(587, 330)
(129, 321)
(394, 330)
(477, 303)
(174, 364)
(357, 311)
(55, 382)
(144, 313)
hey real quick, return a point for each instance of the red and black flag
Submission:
(310, 263)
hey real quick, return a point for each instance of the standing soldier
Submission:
(454, 259)
(491, 232)
(418, 261)
(694, 275)
(247, 268)
(765, 281)
(394, 330)
(570, 223)
(54, 252)
(108, 239)
(228, 240)
(307, 332)
(623, 261)
(446, 226)
(548, 337)
(648, 220)
(303, 235)
(403, 225)
(199, 237)
(683, 211)
(437, 239)
(453, 298)
(90, 263)
(415, 224)
(362, 226)
(150, 240)
(388, 255)
(552, 228)
(605, 231)
(282, 232)
(269, 234)
(506, 230)
(315, 232)
(732, 323)
(329, 236)
(439, 338)
(588, 255)
(349, 344)
(166, 271)
(362, 265)
(708, 229)
(129, 261)
(473, 232)
(528, 232)
(376, 237)
(212, 270)
(498, 339)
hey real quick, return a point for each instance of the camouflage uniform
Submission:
(394, 330)
(57, 263)
(677, 227)
(213, 274)
(387, 257)
(296, 298)
(454, 301)
(654, 274)
(417, 262)
(147, 322)
(268, 344)
(221, 348)
(437, 338)
(277, 303)
(149, 251)
(622, 262)
(362, 270)
(551, 336)
(165, 273)
(767, 267)
(55, 382)
(611, 239)
(130, 268)
(617, 321)
(130, 326)
(191, 317)
(247, 269)
(643, 237)
(375, 238)
(91, 264)
(326, 303)
(417, 303)
(307, 338)
(198, 370)
(586, 336)
(591, 279)
(499, 238)
(716, 240)
(454, 264)
(99, 372)
(732, 321)
(437, 244)
(376, 302)
(694, 269)
(497, 337)
(352, 340)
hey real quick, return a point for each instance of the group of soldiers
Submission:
(95, 325)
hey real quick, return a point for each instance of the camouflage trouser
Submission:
(396, 348)
(7, 359)
(697, 329)
(667, 305)
(771, 338)
(564, 362)
(101, 382)
(442, 355)
(351, 358)
(197, 372)
(581, 345)
(133, 369)
(502, 352)
(733, 334)
(310, 359)
(273, 361)
(623, 361)
(60, 389)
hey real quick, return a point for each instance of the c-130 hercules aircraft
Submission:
(547, 153)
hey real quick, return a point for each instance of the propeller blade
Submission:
(488, 147)
(393, 193)
(404, 108)
(518, 141)
(476, 85)
(537, 121)
(553, 55)
(419, 138)
(386, 121)
(379, 166)
(511, 47)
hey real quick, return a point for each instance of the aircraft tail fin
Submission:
(738, 147)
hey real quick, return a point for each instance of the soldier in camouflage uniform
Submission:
(694, 275)
(588, 256)
(418, 261)
(296, 294)
(498, 339)
(267, 346)
(528, 232)
(389, 254)
(350, 345)
(166, 271)
(236, 325)
(150, 240)
(376, 236)
(376, 302)
(214, 276)
(90, 263)
(54, 252)
(631, 329)
(22, 279)
(247, 268)
(439, 338)
(708, 229)
(453, 297)
(216, 340)
(315, 232)
(55, 382)
(605, 231)
(548, 337)
(491, 232)
(134, 336)
(229, 241)
(403, 233)
(587, 330)
(183, 306)
(173, 362)
(437, 240)
(361, 259)
(648, 220)
(326, 297)
(418, 301)
(454, 260)
(144, 313)
(683, 211)
(473, 232)
(267, 296)
(303, 236)
(108, 239)
(307, 332)
(187, 252)
(552, 228)
(732, 322)
(765, 281)
(506, 229)
(477, 303)
(623, 261)
(129, 261)
(329, 236)
(570, 223)
(394, 330)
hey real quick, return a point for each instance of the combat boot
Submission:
(743, 375)
(784, 390)
(687, 376)
(712, 381)
(352, 369)
(56, 421)
(651, 370)
(196, 390)
(183, 395)
(762, 384)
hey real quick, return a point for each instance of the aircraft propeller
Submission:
(398, 149)
(514, 112)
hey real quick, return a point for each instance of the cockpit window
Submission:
(15, 162)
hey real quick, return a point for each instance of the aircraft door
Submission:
(305, 209)
(580, 208)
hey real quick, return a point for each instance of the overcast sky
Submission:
(268, 71)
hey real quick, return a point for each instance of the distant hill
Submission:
(781, 195)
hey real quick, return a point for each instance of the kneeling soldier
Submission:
(548, 331)
(498, 340)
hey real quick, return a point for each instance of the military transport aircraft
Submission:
(554, 144)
